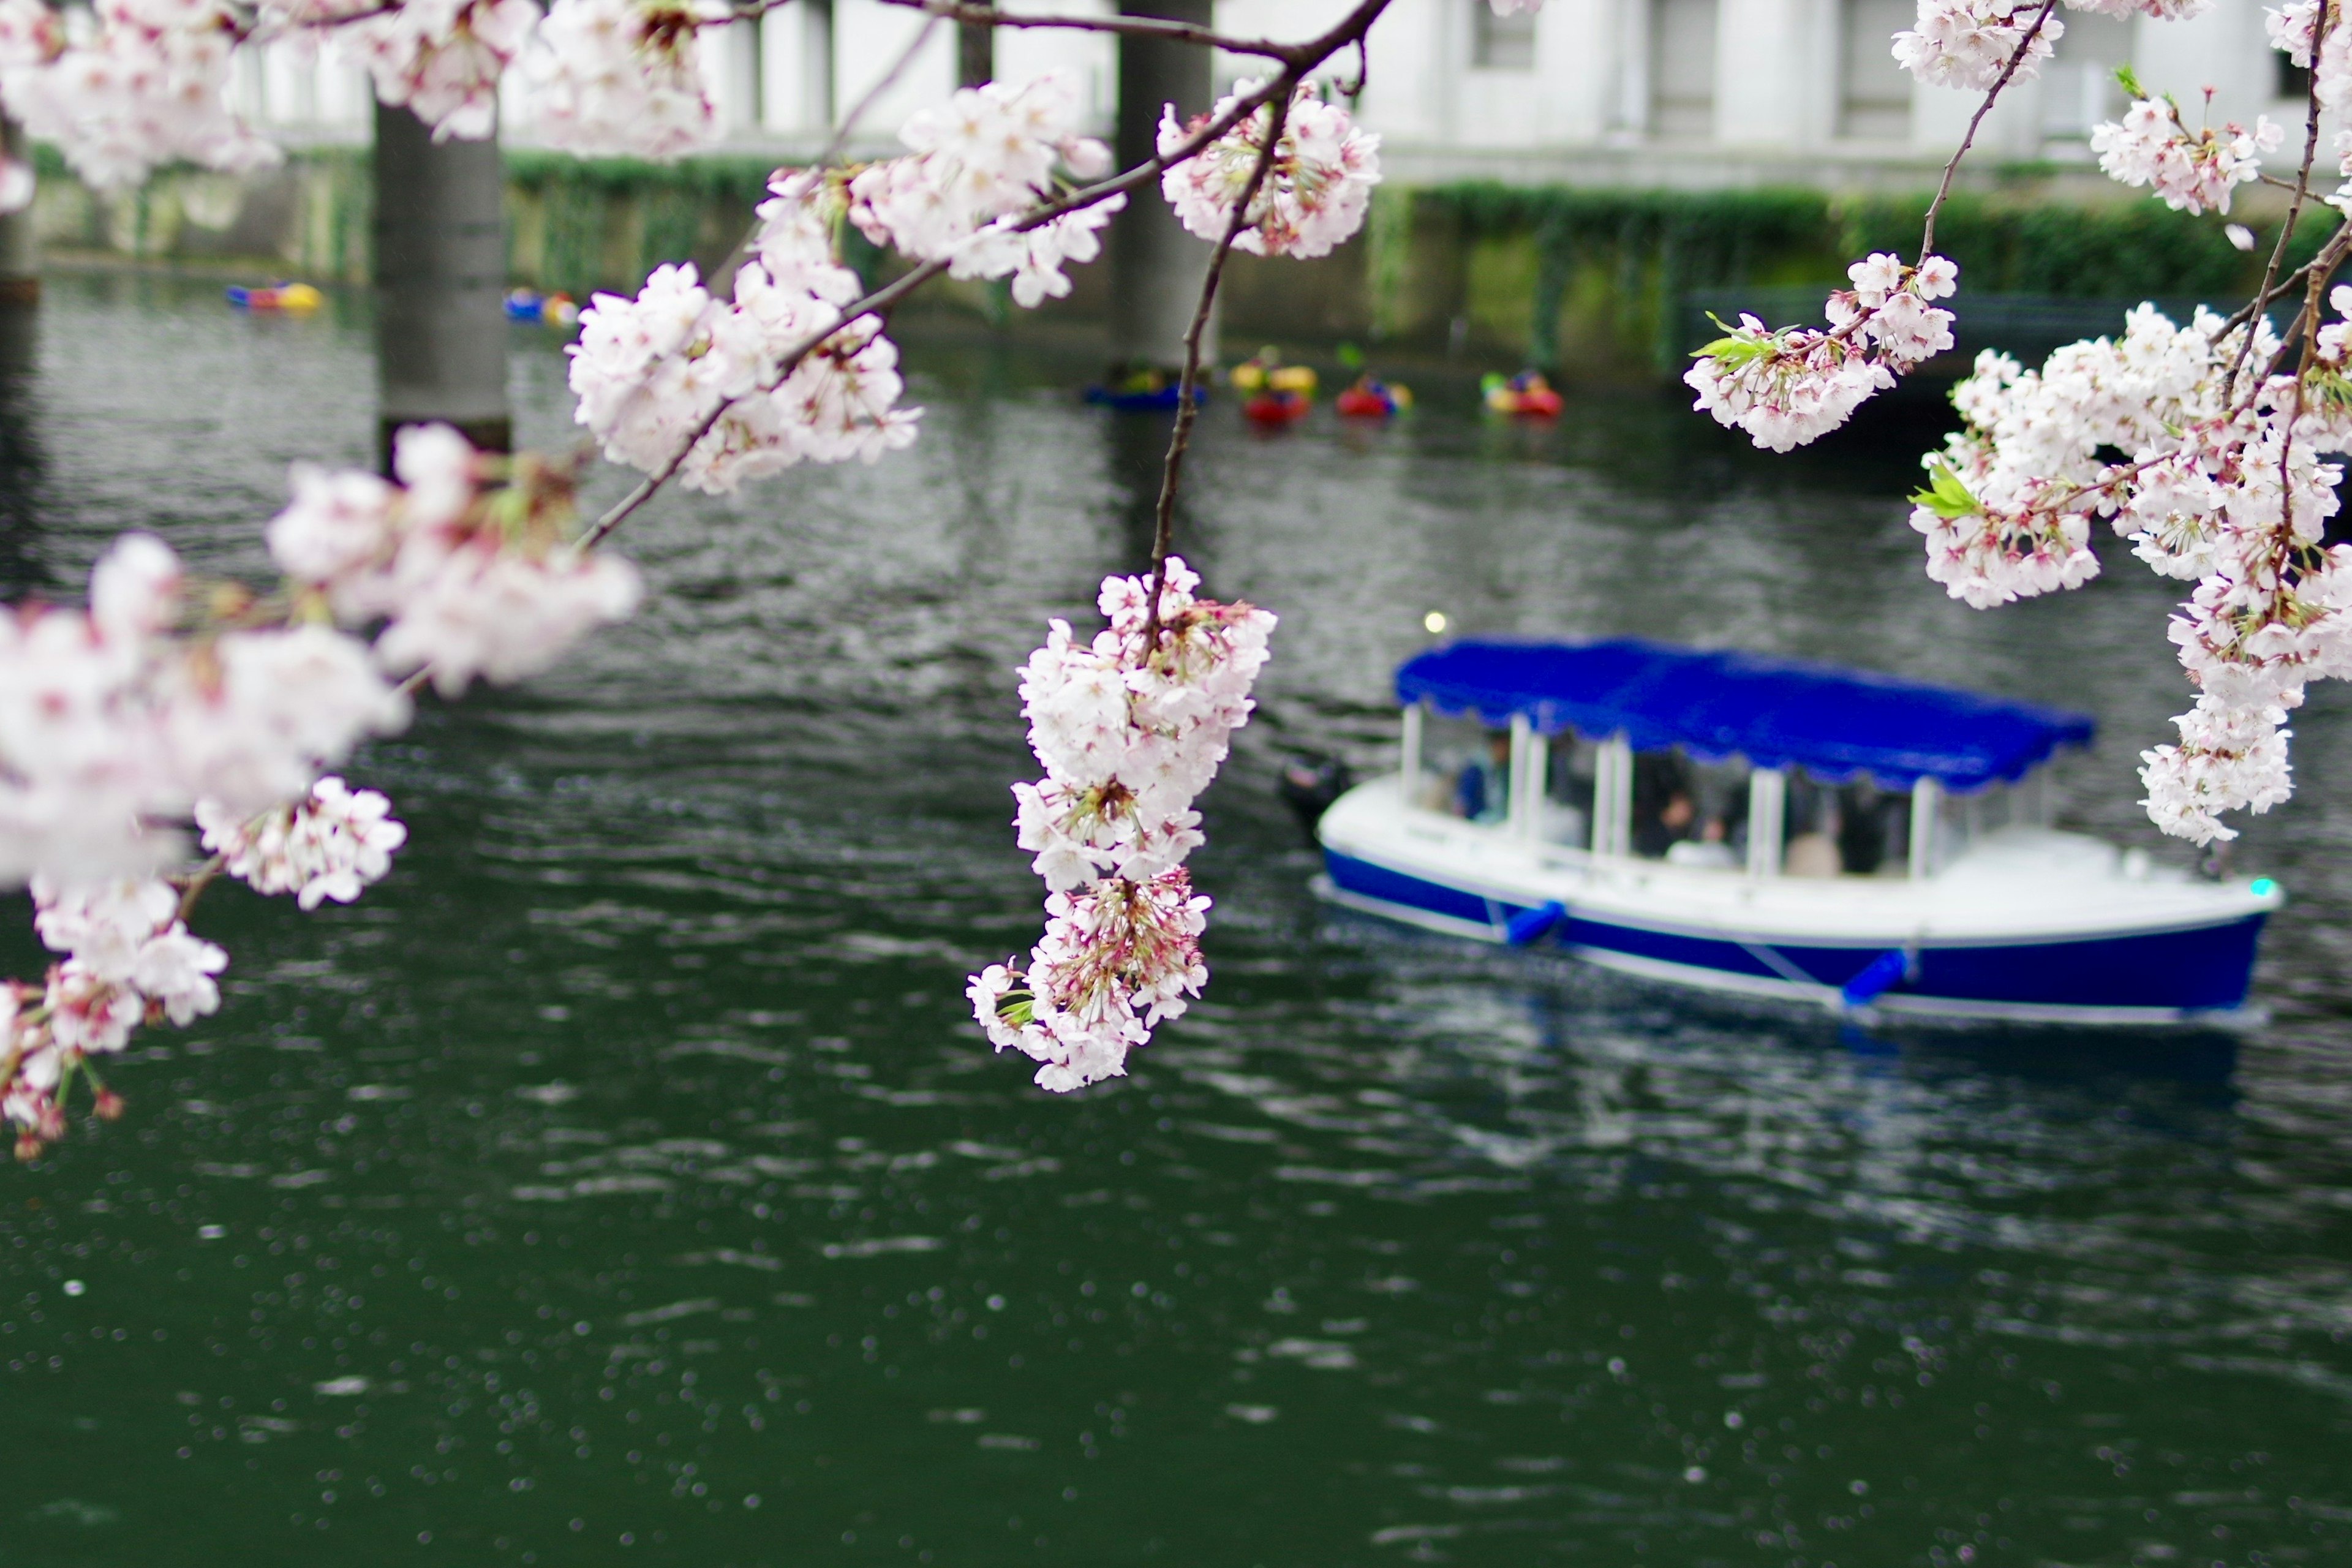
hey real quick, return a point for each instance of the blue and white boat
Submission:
(1762, 826)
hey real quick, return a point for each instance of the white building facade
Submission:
(1614, 92)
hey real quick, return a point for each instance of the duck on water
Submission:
(1755, 825)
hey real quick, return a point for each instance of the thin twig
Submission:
(2294, 208)
(1159, 27)
(193, 889)
(2286, 285)
(847, 127)
(1188, 393)
(1927, 234)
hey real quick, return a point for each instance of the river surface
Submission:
(623, 1179)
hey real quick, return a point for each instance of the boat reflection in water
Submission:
(1760, 825)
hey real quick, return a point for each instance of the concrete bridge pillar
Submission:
(1156, 268)
(440, 282)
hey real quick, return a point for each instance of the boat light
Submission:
(2263, 888)
(1433, 622)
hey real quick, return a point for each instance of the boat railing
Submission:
(1939, 828)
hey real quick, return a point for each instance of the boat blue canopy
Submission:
(1835, 723)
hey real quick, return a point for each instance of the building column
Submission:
(20, 261)
(1156, 268)
(440, 282)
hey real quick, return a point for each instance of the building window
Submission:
(1501, 43)
(2078, 86)
(1873, 92)
(1682, 68)
(2293, 81)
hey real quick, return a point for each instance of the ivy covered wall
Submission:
(1585, 281)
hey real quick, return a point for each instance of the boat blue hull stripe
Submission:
(2208, 967)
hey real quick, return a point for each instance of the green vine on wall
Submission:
(1660, 245)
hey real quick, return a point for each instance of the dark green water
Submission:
(621, 1181)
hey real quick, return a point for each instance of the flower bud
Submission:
(110, 1106)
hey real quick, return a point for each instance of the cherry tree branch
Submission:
(1188, 393)
(1927, 232)
(1173, 32)
(2294, 208)
(882, 301)
(882, 84)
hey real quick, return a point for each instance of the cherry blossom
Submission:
(2289, 28)
(129, 959)
(1969, 43)
(623, 77)
(652, 370)
(2191, 173)
(1789, 387)
(1316, 191)
(1130, 726)
(465, 585)
(128, 86)
(443, 59)
(329, 844)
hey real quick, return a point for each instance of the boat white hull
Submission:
(2032, 927)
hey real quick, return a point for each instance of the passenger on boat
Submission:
(1483, 793)
(1664, 809)
(1710, 848)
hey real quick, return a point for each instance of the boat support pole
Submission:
(1768, 795)
(1604, 790)
(1927, 806)
(1617, 815)
(1409, 768)
(1526, 778)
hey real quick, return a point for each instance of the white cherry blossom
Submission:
(1314, 193)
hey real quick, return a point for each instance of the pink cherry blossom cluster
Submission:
(129, 959)
(2190, 172)
(466, 584)
(443, 60)
(1968, 44)
(1786, 388)
(981, 163)
(331, 843)
(651, 372)
(168, 699)
(2289, 28)
(2219, 486)
(1129, 727)
(126, 86)
(1315, 190)
(114, 722)
(677, 369)
(623, 77)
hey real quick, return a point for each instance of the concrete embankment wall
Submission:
(1588, 282)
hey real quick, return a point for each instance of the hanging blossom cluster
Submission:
(2224, 489)
(127, 960)
(622, 78)
(331, 843)
(1786, 388)
(129, 86)
(123, 87)
(1968, 44)
(440, 59)
(1314, 193)
(169, 700)
(1129, 727)
(2190, 172)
